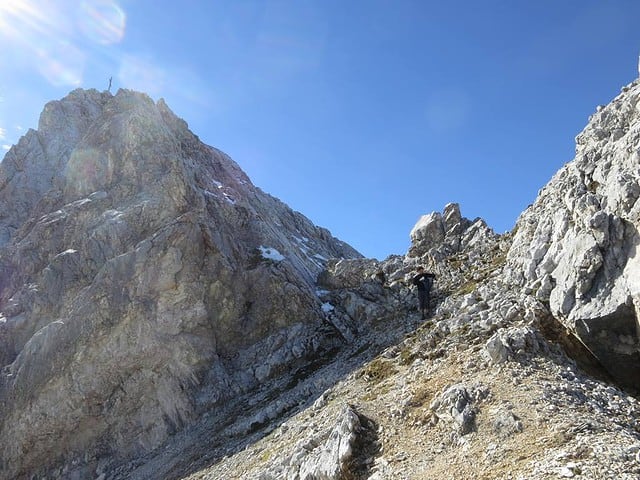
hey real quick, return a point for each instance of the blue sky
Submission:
(362, 115)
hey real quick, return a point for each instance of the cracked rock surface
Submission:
(162, 318)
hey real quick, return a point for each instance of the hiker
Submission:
(423, 281)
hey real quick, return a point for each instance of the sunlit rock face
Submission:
(143, 279)
(447, 233)
(576, 246)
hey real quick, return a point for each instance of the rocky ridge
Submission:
(145, 280)
(490, 387)
(503, 381)
(575, 249)
(523, 371)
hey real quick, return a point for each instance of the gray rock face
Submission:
(325, 456)
(455, 405)
(507, 343)
(485, 387)
(151, 296)
(144, 279)
(575, 247)
(447, 229)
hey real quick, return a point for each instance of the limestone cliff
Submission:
(576, 246)
(162, 318)
(143, 280)
(490, 387)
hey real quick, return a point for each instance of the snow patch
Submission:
(228, 198)
(271, 253)
(327, 307)
(66, 252)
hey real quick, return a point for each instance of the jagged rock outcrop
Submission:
(575, 247)
(493, 385)
(163, 318)
(447, 232)
(483, 389)
(144, 280)
(327, 454)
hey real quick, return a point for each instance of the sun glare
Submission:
(103, 21)
(52, 37)
(21, 19)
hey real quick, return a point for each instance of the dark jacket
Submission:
(423, 281)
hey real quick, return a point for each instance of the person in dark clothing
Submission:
(423, 281)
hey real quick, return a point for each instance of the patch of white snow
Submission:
(271, 253)
(327, 307)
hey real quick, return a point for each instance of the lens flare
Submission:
(62, 64)
(40, 35)
(51, 37)
(18, 18)
(102, 21)
(142, 74)
(87, 170)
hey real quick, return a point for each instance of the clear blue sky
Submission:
(362, 115)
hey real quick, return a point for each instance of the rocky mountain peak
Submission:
(161, 317)
(144, 279)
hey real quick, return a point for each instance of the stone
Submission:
(506, 423)
(328, 460)
(580, 234)
(161, 317)
(134, 277)
(455, 405)
(495, 350)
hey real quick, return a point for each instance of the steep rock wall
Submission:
(576, 246)
(144, 280)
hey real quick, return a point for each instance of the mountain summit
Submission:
(143, 280)
(162, 318)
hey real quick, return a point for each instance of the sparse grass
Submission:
(455, 262)
(407, 356)
(467, 287)
(265, 456)
(464, 329)
(377, 370)
(376, 392)
(422, 396)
